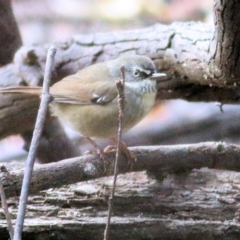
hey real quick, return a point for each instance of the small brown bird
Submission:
(88, 101)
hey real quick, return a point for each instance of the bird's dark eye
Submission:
(136, 73)
(141, 74)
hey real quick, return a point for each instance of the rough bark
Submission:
(226, 49)
(159, 160)
(179, 49)
(201, 204)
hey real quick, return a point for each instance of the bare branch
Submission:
(182, 50)
(121, 100)
(156, 159)
(34, 145)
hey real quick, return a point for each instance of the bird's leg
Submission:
(100, 153)
(123, 147)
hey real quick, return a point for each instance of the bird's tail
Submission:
(26, 90)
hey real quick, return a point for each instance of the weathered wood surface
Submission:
(201, 204)
(186, 201)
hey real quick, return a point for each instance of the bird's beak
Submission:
(158, 76)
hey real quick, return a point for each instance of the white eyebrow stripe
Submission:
(148, 72)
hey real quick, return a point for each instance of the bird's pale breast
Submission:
(101, 121)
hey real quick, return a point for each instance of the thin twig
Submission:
(5, 209)
(42, 112)
(120, 87)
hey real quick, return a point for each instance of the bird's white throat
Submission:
(144, 86)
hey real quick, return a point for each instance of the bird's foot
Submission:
(123, 147)
(100, 153)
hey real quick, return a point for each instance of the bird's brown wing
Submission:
(72, 90)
